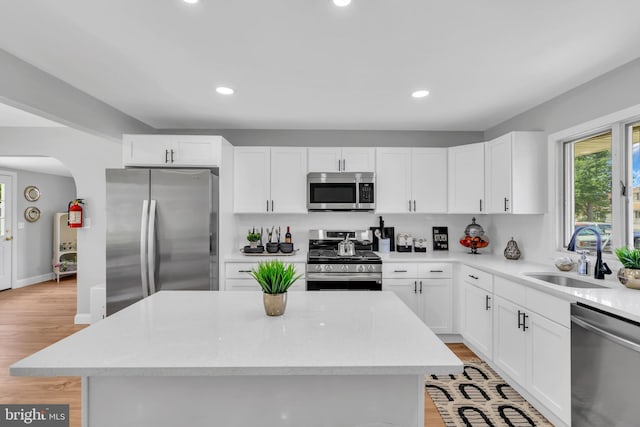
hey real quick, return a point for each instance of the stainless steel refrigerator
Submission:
(162, 228)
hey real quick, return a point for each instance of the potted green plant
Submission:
(275, 279)
(629, 274)
(253, 238)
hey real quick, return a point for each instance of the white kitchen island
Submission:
(215, 359)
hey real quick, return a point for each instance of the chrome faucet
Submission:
(600, 268)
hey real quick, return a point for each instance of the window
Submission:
(633, 135)
(602, 186)
(588, 168)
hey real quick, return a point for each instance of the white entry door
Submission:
(6, 232)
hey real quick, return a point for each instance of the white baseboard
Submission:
(21, 283)
(82, 319)
(450, 338)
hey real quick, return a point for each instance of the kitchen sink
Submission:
(569, 282)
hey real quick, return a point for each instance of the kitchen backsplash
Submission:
(416, 225)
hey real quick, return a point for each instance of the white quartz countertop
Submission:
(614, 298)
(188, 333)
(299, 256)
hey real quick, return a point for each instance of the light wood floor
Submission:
(36, 316)
(31, 318)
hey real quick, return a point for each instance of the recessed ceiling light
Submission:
(420, 93)
(341, 3)
(224, 90)
(191, 1)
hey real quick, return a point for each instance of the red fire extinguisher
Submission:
(75, 213)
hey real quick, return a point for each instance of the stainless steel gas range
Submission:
(331, 268)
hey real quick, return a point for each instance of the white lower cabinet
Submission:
(426, 289)
(238, 277)
(510, 340)
(531, 349)
(477, 319)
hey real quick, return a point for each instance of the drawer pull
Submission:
(473, 277)
(399, 271)
(244, 271)
(436, 271)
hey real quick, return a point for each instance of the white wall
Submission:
(87, 157)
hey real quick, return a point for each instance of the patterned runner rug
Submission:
(479, 397)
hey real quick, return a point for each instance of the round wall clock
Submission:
(31, 193)
(32, 214)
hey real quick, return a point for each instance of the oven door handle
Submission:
(333, 277)
(611, 337)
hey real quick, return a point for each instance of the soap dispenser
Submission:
(583, 264)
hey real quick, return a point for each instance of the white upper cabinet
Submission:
(172, 150)
(393, 180)
(336, 159)
(251, 179)
(429, 180)
(288, 180)
(270, 180)
(466, 179)
(515, 173)
(411, 180)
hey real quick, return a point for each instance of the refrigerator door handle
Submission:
(144, 224)
(151, 248)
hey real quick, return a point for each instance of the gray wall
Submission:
(611, 92)
(26, 87)
(35, 240)
(339, 138)
(607, 94)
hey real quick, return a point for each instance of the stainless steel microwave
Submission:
(341, 191)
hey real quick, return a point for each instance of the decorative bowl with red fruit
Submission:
(474, 237)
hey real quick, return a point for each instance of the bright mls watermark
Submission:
(34, 415)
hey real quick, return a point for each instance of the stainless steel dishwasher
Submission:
(605, 369)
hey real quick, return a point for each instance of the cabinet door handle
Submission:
(409, 205)
(166, 156)
(480, 205)
(399, 271)
(415, 286)
(414, 205)
(244, 271)
(272, 206)
(506, 209)
(420, 286)
(524, 322)
(171, 156)
(473, 277)
(339, 165)
(436, 271)
(487, 298)
(267, 206)
(344, 165)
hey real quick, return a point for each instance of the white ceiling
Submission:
(12, 117)
(35, 164)
(306, 64)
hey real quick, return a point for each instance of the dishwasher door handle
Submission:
(608, 335)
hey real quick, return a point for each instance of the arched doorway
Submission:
(41, 245)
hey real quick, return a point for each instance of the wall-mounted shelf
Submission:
(65, 247)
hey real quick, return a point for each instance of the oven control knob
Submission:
(361, 268)
(345, 267)
(370, 268)
(328, 267)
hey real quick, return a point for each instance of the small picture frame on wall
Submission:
(440, 238)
